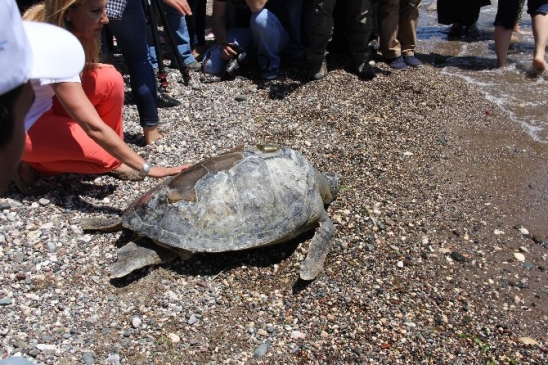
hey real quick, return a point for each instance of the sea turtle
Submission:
(242, 199)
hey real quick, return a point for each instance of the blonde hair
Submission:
(53, 12)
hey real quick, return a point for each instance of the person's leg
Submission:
(540, 33)
(504, 23)
(289, 13)
(388, 28)
(57, 144)
(269, 38)
(407, 29)
(177, 23)
(357, 32)
(321, 24)
(502, 42)
(130, 33)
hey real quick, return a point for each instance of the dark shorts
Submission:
(507, 11)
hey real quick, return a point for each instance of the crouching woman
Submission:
(75, 124)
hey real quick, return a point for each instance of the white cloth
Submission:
(43, 98)
(27, 51)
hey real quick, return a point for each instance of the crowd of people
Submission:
(73, 124)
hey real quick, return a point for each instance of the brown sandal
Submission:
(132, 175)
(27, 189)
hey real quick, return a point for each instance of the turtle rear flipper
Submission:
(318, 249)
(138, 254)
(102, 224)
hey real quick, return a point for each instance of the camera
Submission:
(234, 64)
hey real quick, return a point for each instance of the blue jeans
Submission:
(177, 23)
(130, 33)
(295, 18)
(266, 39)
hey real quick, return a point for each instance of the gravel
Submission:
(438, 186)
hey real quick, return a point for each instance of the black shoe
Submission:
(318, 71)
(455, 32)
(165, 101)
(365, 71)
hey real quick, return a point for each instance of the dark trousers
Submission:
(357, 29)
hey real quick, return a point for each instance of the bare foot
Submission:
(151, 135)
(501, 63)
(539, 65)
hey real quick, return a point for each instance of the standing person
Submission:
(505, 19)
(75, 123)
(128, 24)
(28, 43)
(196, 27)
(254, 28)
(178, 25)
(461, 14)
(358, 27)
(398, 32)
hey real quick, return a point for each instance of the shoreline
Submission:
(426, 277)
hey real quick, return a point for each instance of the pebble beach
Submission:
(440, 254)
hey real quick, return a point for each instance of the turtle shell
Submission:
(239, 200)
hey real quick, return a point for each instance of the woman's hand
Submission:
(180, 5)
(159, 172)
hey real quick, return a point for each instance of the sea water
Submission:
(515, 89)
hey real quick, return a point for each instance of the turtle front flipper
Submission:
(102, 224)
(319, 247)
(138, 254)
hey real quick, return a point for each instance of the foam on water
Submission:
(515, 89)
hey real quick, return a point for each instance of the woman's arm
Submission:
(74, 100)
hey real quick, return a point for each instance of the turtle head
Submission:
(329, 187)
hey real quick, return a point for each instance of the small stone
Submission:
(400, 264)
(296, 335)
(519, 256)
(136, 322)
(88, 358)
(193, 319)
(458, 257)
(5, 301)
(46, 348)
(528, 341)
(524, 232)
(528, 265)
(240, 98)
(174, 338)
(43, 201)
(261, 350)
(498, 232)
(523, 249)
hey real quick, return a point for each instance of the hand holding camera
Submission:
(236, 59)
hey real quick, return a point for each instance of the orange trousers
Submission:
(56, 143)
